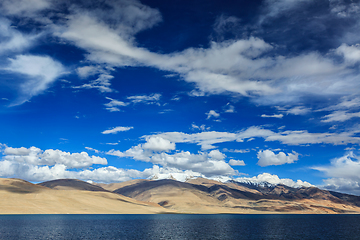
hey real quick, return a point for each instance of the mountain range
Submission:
(143, 196)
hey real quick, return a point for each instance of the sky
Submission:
(114, 90)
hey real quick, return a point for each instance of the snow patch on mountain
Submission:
(267, 180)
(262, 180)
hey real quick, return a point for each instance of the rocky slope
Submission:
(169, 196)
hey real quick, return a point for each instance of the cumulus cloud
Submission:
(343, 173)
(274, 179)
(347, 166)
(351, 54)
(345, 185)
(233, 162)
(208, 163)
(106, 174)
(34, 164)
(158, 144)
(38, 73)
(115, 130)
(268, 158)
(37, 157)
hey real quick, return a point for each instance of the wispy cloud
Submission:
(116, 130)
(38, 73)
(146, 99)
(113, 105)
(272, 116)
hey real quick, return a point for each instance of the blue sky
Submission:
(115, 90)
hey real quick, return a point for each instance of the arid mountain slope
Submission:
(113, 186)
(21, 197)
(71, 184)
(168, 196)
(207, 196)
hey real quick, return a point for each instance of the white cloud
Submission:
(237, 66)
(343, 173)
(351, 54)
(116, 130)
(17, 151)
(113, 105)
(301, 137)
(13, 40)
(345, 185)
(24, 7)
(204, 139)
(272, 116)
(35, 156)
(268, 158)
(274, 179)
(229, 108)
(38, 71)
(209, 164)
(112, 144)
(174, 173)
(297, 137)
(298, 110)
(233, 162)
(158, 144)
(202, 127)
(147, 99)
(347, 166)
(241, 66)
(102, 83)
(236, 150)
(106, 174)
(92, 149)
(347, 102)
(212, 114)
(274, 8)
(87, 71)
(340, 116)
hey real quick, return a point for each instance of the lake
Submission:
(178, 226)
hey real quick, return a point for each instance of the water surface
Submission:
(178, 226)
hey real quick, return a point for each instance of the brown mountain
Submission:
(21, 197)
(71, 184)
(168, 196)
(207, 196)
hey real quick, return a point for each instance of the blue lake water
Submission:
(176, 226)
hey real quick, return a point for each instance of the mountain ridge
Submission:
(196, 195)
